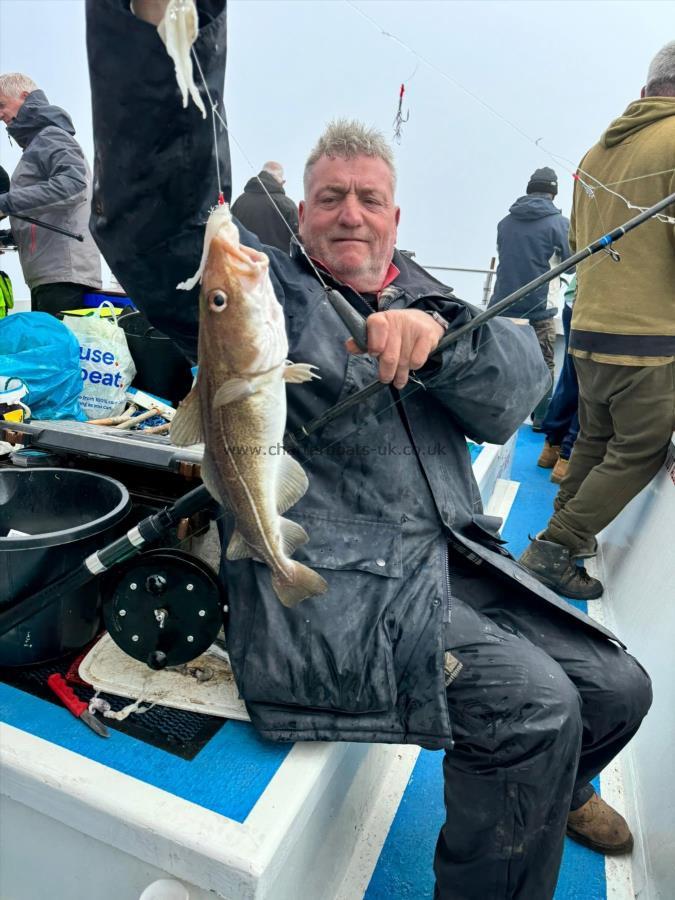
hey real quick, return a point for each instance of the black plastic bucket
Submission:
(161, 369)
(65, 515)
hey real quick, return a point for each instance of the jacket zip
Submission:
(447, 611)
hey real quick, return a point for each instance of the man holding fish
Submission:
(370, 597)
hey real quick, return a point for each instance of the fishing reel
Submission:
(164, 608)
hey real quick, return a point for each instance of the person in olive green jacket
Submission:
(622, 336)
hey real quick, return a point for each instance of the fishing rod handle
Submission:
(351, 318)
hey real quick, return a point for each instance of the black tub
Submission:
(67, 514)
(161, 369)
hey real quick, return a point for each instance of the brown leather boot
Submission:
(552, 564)
(559, 470)
(598, 826)
(549, 456)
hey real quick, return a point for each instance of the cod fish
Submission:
(238, 408)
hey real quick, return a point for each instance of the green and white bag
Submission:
(107, 366)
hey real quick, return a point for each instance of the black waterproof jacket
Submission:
(265, 216)
(391, 482)
(532, 237)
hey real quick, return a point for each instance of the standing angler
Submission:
(51, 181)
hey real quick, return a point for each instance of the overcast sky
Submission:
(560, 72)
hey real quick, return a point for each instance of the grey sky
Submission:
(559, 71)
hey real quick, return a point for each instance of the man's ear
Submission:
(301, 212)
(397, 215)
(642, 92)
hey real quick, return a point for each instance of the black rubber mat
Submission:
(175, 730)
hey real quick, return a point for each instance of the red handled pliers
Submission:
(77, 707)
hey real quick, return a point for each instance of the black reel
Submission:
(165, 608)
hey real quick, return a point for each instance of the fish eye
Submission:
(218, 300)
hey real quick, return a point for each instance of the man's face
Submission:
(9, 106)
(348, 219)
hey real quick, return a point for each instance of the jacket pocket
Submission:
(332, 652)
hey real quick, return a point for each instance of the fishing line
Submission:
(215, 113)
(499, 115)
(221, 198)
(475, 97)
(638, 177)
(294, 237)
(418, 384)
(662, 217)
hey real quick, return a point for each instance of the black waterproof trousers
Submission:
(541, 707)
(57, 297)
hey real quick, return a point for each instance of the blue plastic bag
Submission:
(42, 352)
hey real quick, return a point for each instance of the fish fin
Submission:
(210, 481)
(186, 425)
(233, 389)
(292, 536)
(292, 483)
(303, 583)
(296, 373)
(238, 548)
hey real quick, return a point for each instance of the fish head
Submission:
(241, 321)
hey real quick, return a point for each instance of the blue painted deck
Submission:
(404, 870)
(227, 776)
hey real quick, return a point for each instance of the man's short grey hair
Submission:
(345, 138)
(14, 84)
(661, 74)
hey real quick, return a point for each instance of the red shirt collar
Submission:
(391, 275)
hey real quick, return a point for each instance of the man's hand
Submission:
(151, 11)
(402, 340)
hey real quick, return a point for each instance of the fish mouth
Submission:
(245, 262)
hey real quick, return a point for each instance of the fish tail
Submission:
(303, 582)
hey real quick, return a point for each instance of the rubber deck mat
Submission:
(177, 731)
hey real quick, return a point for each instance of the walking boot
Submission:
(549, 456)
(552, 564)
(598, 826)
(559, 470)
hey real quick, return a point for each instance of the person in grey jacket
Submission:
(430, 632)
(51, 182)
(532, 237)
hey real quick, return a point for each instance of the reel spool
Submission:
(165, 608)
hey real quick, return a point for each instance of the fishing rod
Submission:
(357, 323)
(56, 228)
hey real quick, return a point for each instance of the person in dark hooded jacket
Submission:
(263, 208)
(529, 239)
(51, 182)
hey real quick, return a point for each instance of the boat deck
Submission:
(280, 810)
